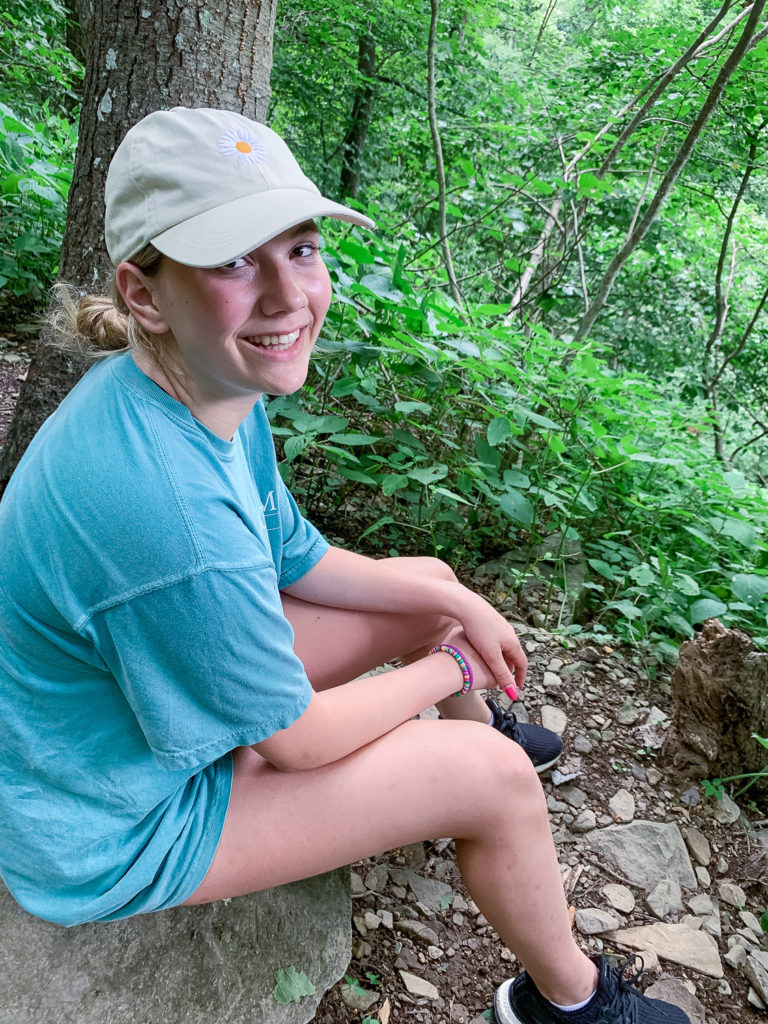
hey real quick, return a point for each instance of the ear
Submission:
(139, 292)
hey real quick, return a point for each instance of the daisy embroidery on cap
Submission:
(244, 145)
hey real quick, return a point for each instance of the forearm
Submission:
(344, 579)
(345, 718)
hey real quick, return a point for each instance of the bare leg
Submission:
(422, 779)
(336, 645)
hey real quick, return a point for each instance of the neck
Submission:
(222, 417)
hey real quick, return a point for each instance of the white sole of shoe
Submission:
(501, 1008)
(543, 767)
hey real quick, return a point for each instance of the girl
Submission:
(179, 672)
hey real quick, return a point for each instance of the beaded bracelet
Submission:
(466, 671)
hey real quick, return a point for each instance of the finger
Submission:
(519, 665)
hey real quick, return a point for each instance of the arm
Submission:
(343, 579)
(345, 718)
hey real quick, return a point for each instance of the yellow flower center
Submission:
(243, 147)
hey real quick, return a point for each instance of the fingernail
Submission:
(511, 692)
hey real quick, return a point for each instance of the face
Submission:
(235, 332)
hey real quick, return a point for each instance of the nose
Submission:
(280, 288)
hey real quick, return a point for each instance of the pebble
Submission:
(665, 898)
(377, 878)
(732, 894)
(553, 718)
(622, 806)
(592, 921)
(582, 744)
(726, 811)
(419, 986)
(357, 886)
(585, 822)
(698, 844)
(619, 896)
(573, 796)
(628, 714)
(703, 876)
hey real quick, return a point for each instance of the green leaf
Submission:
(517, 507)
(750, 588)
(498, 429)
(353, 439)
(643, 575)
(602, 567)
(739, 530)
(406, 408)
(764, 921)
(627, 609)
(292, 985)
(706, 608)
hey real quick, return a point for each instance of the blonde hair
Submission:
(93, 326)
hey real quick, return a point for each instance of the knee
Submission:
(439, 569)
(495, 766)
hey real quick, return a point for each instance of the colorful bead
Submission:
(466, 671)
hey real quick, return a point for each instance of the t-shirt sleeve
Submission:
(303, 544)
(206, 663)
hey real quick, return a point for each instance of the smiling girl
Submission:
(184, 718)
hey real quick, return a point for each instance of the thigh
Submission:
(423, 779)
(339, 644)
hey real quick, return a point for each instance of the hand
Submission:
(494, 640)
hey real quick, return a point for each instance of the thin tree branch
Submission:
(438, 148)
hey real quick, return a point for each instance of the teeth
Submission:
(275, 340)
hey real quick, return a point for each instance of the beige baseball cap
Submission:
(205, 187)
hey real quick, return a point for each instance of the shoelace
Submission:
(624, 1005)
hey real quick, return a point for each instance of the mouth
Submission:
(274, 342)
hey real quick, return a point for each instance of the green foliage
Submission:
(37, 143)
(292, 985)
(432, 429)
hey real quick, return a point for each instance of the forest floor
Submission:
(438, 935)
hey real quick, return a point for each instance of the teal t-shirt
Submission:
(142, 639)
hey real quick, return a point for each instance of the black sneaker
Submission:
(542, 745)
(616, 1001)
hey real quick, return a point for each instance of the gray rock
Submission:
(377, 878)
(419, 986)
(194, 964)
(582, 745)
(751, 922)
(592, 921)
(645, 852)
(703, 876)
(732, 894)
(703, 905)
(619, 897)
(672, 990)
(736, 956)
(418, 930)
(358, 998)
(754, 1000)
(584, 822)
(726, 811)
(628, 714)
(665, 898)
(554, 718)
(621, 806)
(573, 796)
(675, 942)
(757, 975)
(698, 845)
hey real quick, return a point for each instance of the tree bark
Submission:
(353, 143)
(141, 57)
(720, 688)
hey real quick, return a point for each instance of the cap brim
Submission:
(233, 229)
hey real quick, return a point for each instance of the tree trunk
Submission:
(360, 120)
(141, 57)
(721, 698)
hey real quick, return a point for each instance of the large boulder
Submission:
(213, 964)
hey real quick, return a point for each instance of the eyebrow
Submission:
(307, 225)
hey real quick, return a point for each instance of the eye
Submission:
(306, 250)
(235, 264)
